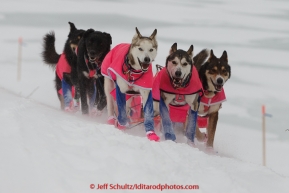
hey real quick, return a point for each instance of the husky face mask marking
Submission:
(179, 65)
(143, 51)
(217, 72)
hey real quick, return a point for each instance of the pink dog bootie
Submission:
(152, 136)
(69, 110)
(119, 126)
(111, 120)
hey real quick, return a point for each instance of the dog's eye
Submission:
(184, 64)
(151, 50)
(224, 71)
(174, 62)
(213, 70)
(140, 49)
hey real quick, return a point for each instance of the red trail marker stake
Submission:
(264, 134)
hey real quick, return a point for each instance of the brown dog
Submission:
(213, 74)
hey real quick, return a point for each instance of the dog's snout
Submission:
(178, 73)
(220, 81)
(92, 53)
(147, 60)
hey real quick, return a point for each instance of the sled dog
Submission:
(128, 69)
(177, 85)
(92, 49)
(214, 73)
(64, 64)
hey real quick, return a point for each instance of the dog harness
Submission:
(93, 68)
(132, 74)
(115, 64)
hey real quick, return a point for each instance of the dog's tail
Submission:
(201, 58)
(49, 54)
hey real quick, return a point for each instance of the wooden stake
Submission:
(19, 59)
(264, 135)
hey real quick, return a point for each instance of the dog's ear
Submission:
(202, 69)
(72, 27)
(229, 69)
(173, 48)
(224, 56)
(202, 75)
(153, 34)
(201, 58)
(138, 33)
(80, 35)
(89, 31)
(191, 51)
(211, 55)
(108, 36)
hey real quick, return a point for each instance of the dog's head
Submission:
(179, 65)
(215, 72)
(143, 50)
(74, 36)
(97, 45)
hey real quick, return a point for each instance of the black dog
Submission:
(55, 60)
(92, 49)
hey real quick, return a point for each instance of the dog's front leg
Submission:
(83, 96)
(167, 124)
(101, 100)
(193, 101)
(121, 105)
(148, 109)
(91, 92)
(156, 108)
(108, 87)
(213, 119)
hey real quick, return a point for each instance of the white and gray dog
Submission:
(128, 69)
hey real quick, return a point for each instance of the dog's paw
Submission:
(111, 120)
(169, 136)
(94, 112)
(119, 126)
(69, 109)
(152, 136)
(192, 144)
(211, 151)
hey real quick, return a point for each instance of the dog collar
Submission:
(207, 92)
(93, 68)
(131, 74)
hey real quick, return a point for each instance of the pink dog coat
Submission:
(62, 66)
(219, 98)
(162, 82)
(114, 66)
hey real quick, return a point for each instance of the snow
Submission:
(45, 150)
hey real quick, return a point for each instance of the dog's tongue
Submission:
(145, 66)
(219, 87)
(178, 80)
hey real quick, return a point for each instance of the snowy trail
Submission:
(46, 149)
